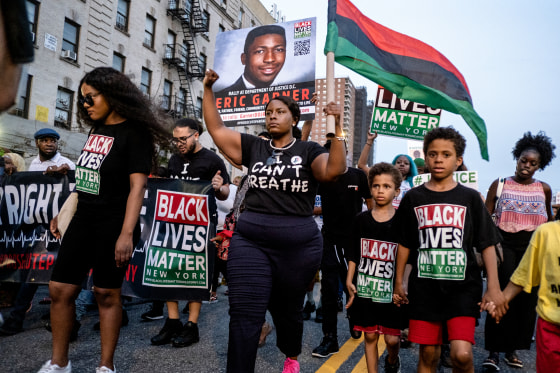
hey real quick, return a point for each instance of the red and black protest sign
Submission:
(28, 202)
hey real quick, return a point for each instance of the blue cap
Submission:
(46, 132)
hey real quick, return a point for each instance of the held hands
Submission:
(351, 294)
(123, 249)
(399, 295)
(495, 303)
(210, 78)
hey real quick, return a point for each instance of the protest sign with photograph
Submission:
(257, 64)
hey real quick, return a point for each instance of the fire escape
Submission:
(184, 57)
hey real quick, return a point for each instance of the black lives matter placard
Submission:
(28, 202)
(241, 105)
(173, 259)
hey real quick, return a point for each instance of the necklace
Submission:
(285, 147)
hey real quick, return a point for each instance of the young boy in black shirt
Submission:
(440, 224)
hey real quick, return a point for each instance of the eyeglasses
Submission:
(274, 158)
(183, 139)
(88, 99)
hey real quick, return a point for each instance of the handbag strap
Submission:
(501, 182)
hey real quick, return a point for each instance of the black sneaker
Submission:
(392, 368)
(170, 330)
(11, 327)
(308, 310)
(155, 312)
(328, 346)
(187, 336)
(319, 315)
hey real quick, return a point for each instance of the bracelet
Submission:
(340, 138)
(367, 143)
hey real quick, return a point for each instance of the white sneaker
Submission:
(104, 369)
(54, 368)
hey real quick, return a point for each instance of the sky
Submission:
(507, 50)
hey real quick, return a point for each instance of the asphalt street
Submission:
(27, 351)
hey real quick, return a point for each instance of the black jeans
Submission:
(271, 261)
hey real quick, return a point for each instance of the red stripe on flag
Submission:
(394, 42)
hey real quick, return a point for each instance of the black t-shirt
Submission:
(374, 250)
(342, 200)
(287, 188)
(441, 229)
(110, 154)
(201, 165)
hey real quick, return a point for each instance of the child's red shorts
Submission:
(430, 332)
(548, 346)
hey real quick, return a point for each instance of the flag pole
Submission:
(331, 131)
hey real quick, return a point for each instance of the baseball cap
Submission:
(46, 132)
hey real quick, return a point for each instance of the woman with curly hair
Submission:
(111, 178)
(520, 203)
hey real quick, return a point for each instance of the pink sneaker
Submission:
(290, 366)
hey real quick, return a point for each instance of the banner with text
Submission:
(260, 63)
(28, 202)
(393, 116)
(173, 259)
(467, 178)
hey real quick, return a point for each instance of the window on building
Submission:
(188, 8)
(180, 103)
(223, 3)
(202, 62)
(221, 28)
(170, 46)
(205, 18)
(166, 98)
(22, 104)
(118, 62)
(240, 17)
(70, 39)
(63, 111)
(145, 81)
(149, 31)
(123, 8)
(33, 16)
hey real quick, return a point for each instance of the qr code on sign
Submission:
(301, 48)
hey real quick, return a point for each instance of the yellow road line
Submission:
(336, 360)
(361, 367)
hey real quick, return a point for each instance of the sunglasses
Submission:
(274, 158)
(183, 139)
(88, 99)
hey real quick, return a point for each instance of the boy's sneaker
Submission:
(308, 310)
(328, 346)
(155, 313)
(392, 368)
(54, 368)
(492, 361)
(290, 366)
(104, 369)
(187, 336)
(169, 331)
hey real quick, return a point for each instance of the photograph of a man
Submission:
(263, 56)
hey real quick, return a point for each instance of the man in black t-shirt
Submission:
(191, 162)
(341, 201)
